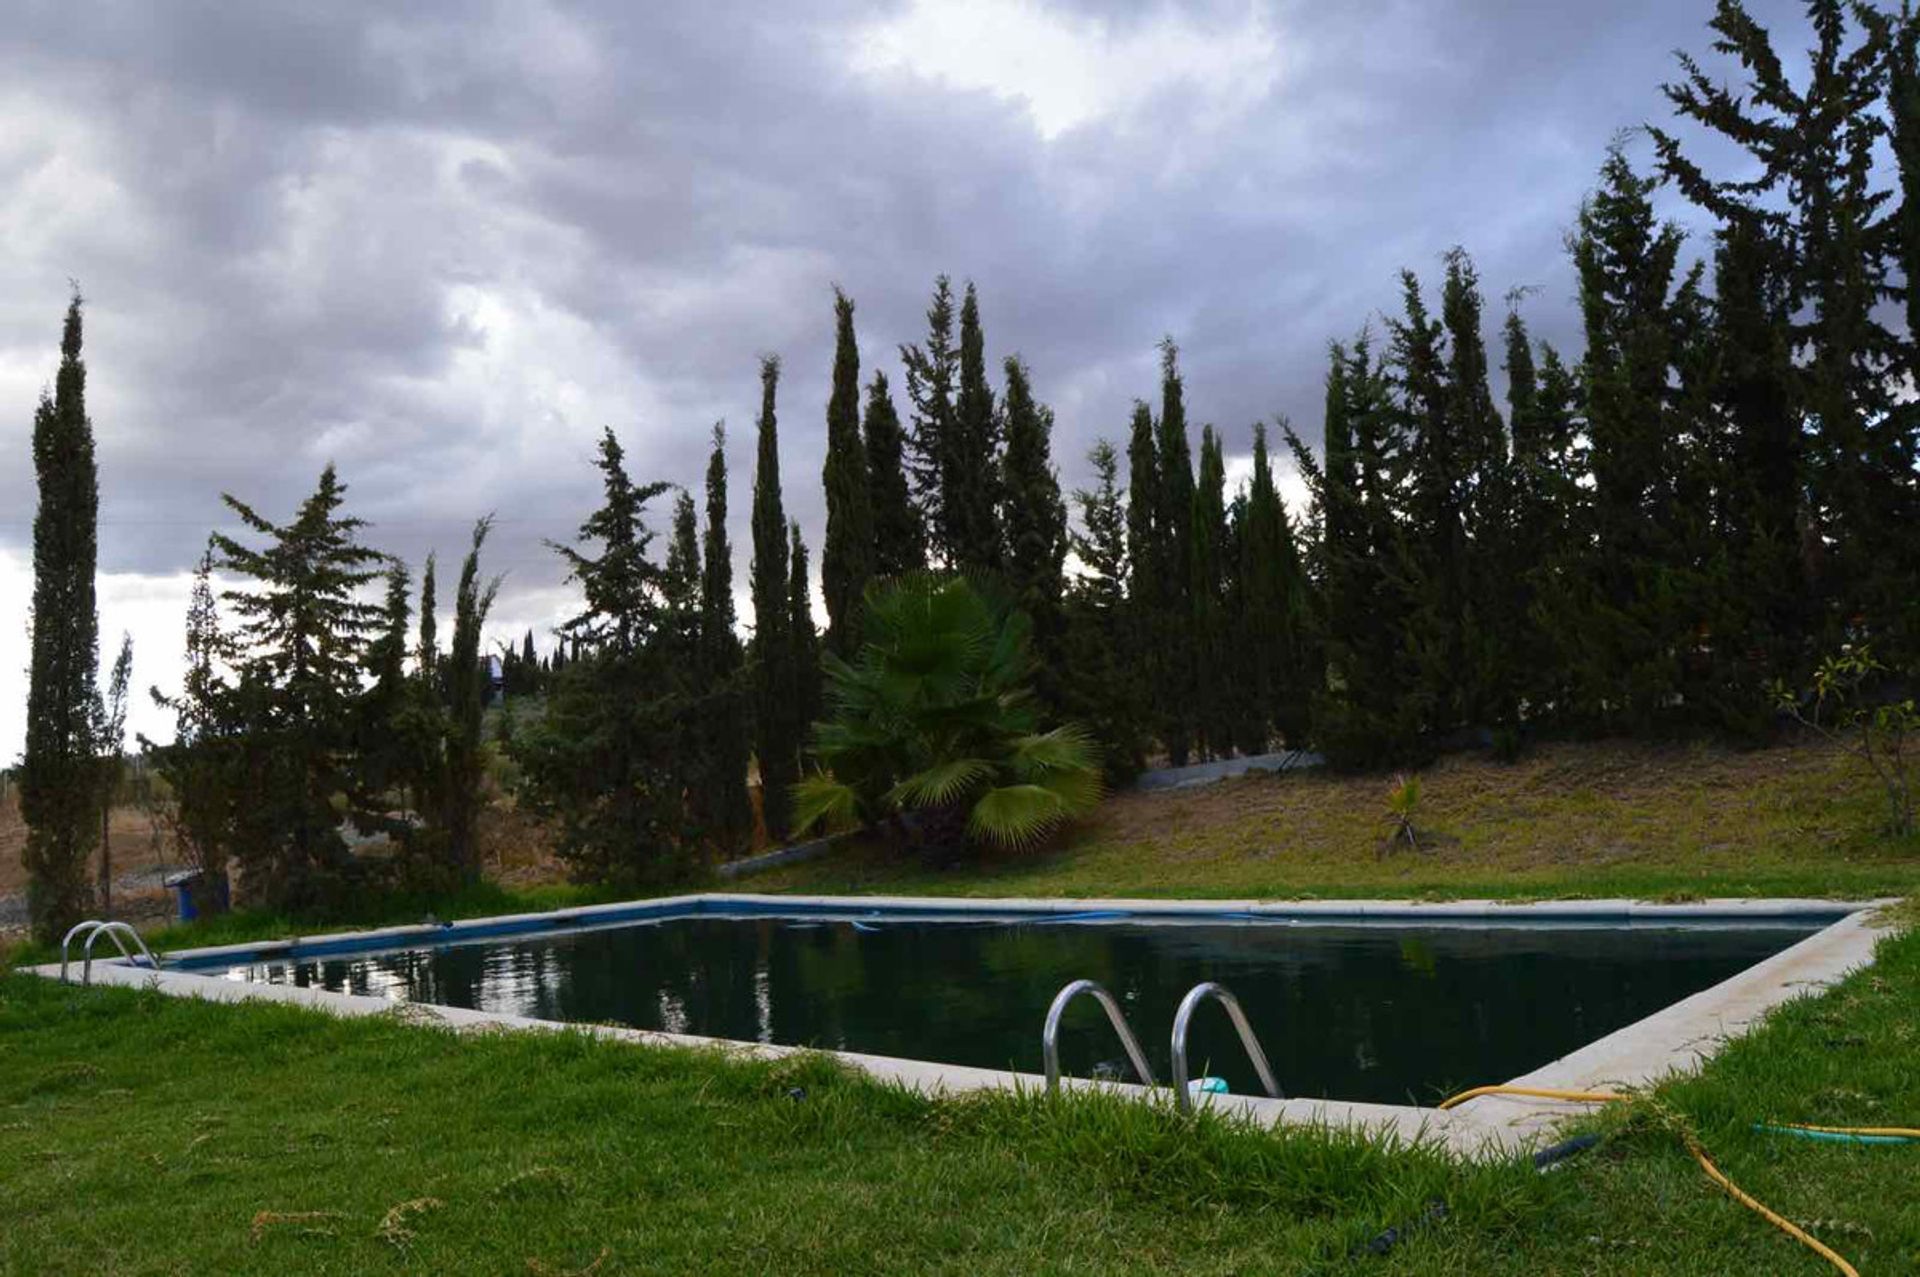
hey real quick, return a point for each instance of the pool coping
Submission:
(1674, 1039)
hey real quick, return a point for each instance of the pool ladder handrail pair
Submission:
(95, 928)
(1182, 1020)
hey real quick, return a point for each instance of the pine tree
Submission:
(1036, 524)
(1101, 678)
(1214, 693)
(607, 760)
(727, 735)
(970, 480)
(847, 557)
(932, 370)
(806, 642)
(777, 720)
(303, 629)
(899, 540)
(57, 779)
(1173, 537)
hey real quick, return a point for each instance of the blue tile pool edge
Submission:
(1541, 913)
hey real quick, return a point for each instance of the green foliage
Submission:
(607, 761)
(297, 652)
(932, 369)
(899, 539)
(726, 737)
(1170, 607)
(970, 480)
(777, 720)
(1215, 698)
(847, 557)
(1849, 704)
(937, 718)
(59, 789)
(1036, 530)
(1103, 675)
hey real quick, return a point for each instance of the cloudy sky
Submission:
(444, 244)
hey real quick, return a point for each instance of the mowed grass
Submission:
(1678, 822)
(146, 1134)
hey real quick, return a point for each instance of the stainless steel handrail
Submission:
(1050, 1035)
(1184, 1016)
(94, 929)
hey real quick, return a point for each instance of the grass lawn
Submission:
(146, 1134)
(1566, 820)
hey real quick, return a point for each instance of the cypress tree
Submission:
(1214, 692)
(806, 642)
(931, 372)
(1621, 628)
(1173, 535)
(1435, 550)
(1146, 580)
(847, 557)
(728, 737)
(1271, 619)
(459, 815)
(681, 584)
(1101, 676)
(113, 765)
(777, 720)
(57, 785)
(970, 480)
(899, 540)
(427, 658)
(1036, 522)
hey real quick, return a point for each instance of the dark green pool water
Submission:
(1386, 1013)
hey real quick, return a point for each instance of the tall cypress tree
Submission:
(777, 720)
(899, 539)
(1214, 693)
(970, 480)
(427, 657)
(727, 736)
(680, 586)
(1145, 578)
(805, 639)
(1271, 620)
(1173, 536)
(57, 776)
(932, 370)
(459, 816)
(1036, 522)
(846, 559)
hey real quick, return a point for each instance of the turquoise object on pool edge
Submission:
(1208, 1086)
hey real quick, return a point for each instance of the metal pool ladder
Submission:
(1184, 1017)
(1050, 1035)
(94, 929)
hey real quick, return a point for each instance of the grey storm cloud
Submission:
(444, 244)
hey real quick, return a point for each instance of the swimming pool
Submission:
(1383, 1004)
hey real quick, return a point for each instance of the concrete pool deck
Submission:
(1673, 1039)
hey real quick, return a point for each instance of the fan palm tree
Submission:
(935, 717)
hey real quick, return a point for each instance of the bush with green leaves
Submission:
(934, 729)
(1849, 706)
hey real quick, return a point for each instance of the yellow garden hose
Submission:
(1714, 1173)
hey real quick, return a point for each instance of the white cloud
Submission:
(1072, 69)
